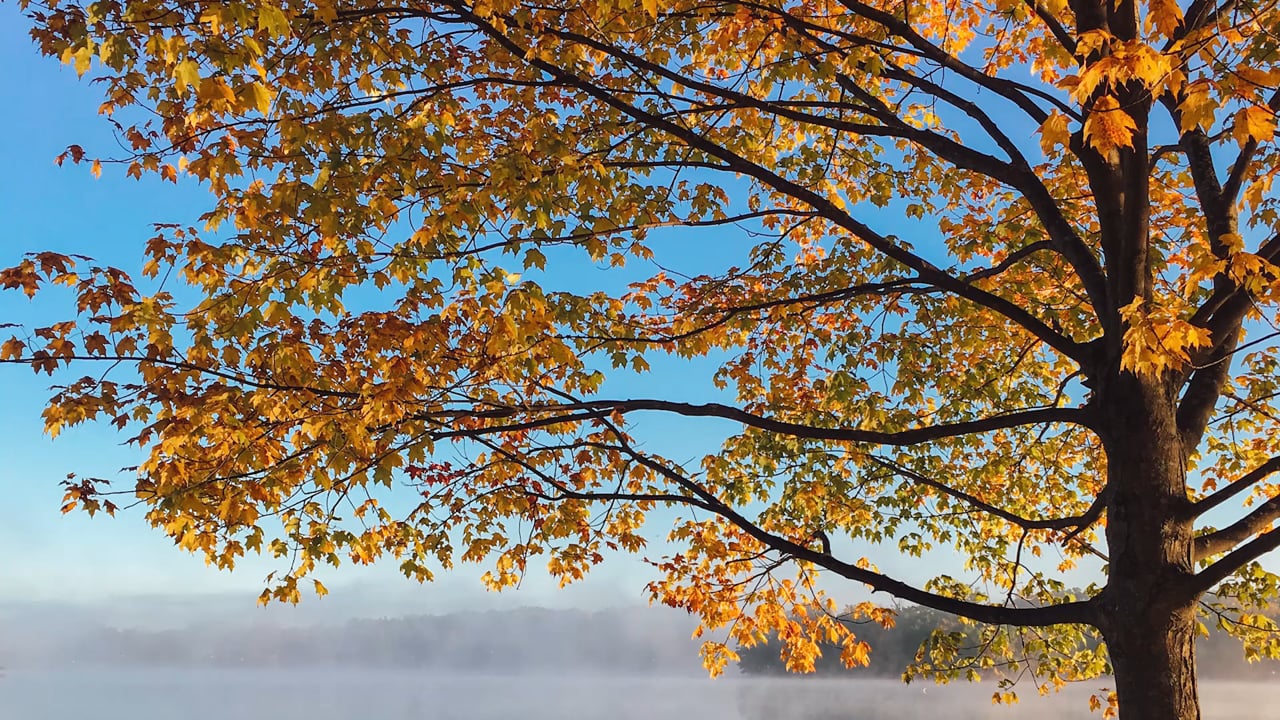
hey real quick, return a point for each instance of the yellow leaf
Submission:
(1197, 107)
(1156, 339)
(258, 97)
(215, 91)
(187, 73)
(273, 20)
(1055, 131)
(1165, 15)
(1109, 127)
(80, 58)
(1254, 123)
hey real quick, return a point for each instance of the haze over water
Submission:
(403, 695)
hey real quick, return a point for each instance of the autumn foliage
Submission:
(996, 276)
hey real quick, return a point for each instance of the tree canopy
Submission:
(989, 275)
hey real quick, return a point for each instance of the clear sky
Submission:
(42, 553)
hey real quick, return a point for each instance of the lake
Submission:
(401, 695)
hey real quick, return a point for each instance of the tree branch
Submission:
(1235, 176)
(1206, 579)
(1076, 521)
(1228, 492)
(896, 286)
(1007, 89)
(915, 436)
(1064, 613)
(1056, 28)
(828, 209)
(1246, 527)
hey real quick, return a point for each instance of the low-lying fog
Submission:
(68, 663)
(401, 695)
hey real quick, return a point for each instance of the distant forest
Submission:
(1219, 655)
(633, 641)
(622, 641)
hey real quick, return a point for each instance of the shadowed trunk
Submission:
(1153, 654)
(1147, 612)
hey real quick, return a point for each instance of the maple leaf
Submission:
(187, 73)
(1197, 107)
(1165, 15)
(1055, 132)
(1109, 128)
(1253, 124)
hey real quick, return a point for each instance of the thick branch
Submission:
(1227, 492)
(1195, 408)
(915, 436)
(1246, 527)
(1256, 521)
(1206, 579)
(1223, 314)
(1017, 174)
(1065, 613)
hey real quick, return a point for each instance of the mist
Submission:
(207, 658)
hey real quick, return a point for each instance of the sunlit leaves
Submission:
(1109, 127)
(1253, 124)
(1054, 132)
(1156, 341)
(452, 254)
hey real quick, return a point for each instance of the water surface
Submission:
(404, 695)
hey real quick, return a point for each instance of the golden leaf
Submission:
(1254, 123)
(1197, 107)
(1165, 15)
(1055, 131)
(1109, 128)
(273, 20)
(187, 73)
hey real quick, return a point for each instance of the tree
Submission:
(992, 275)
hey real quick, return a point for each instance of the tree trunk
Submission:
(1147, 612)
(1155, 665)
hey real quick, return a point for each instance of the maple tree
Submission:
(995, 275)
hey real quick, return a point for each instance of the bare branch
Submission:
(915, 436)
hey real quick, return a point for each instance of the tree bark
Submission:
(1153, 656)
(1147, 612)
